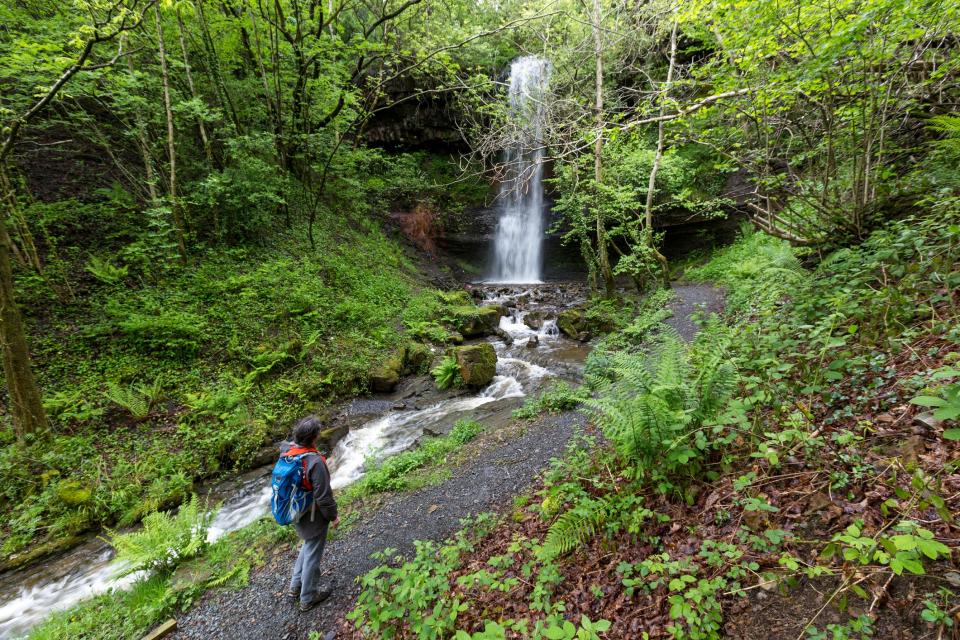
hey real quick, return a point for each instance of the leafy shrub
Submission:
(138, 400)
(165, 331)
(659, 409)
(412, 599)
(105, 272)
(165, 540)
(759, 271)
(559, 397)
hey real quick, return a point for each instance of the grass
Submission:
(559, 397)
(394, 473)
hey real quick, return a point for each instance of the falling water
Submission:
(520, 230)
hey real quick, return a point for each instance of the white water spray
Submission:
(519, 238)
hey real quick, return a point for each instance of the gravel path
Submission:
(689, 299)
(489, 482)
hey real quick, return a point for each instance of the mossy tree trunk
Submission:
(603, 256)
(26, 405)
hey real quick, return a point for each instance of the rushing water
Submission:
(519, 237)
(31, 594)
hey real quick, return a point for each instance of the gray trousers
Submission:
(306, 570)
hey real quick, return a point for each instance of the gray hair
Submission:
(306, 431)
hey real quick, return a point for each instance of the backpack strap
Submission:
(302, 453)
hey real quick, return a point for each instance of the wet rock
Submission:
(416, 358)
(329, 438)
(503, 335)
(477, 363)
(573, 322)
(483, 322)
(266, 455)
(532, 342)
(535, 319)
(384, 378)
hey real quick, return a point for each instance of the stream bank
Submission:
(528, 358)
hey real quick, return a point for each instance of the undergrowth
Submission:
(806, 441)
(151, 385)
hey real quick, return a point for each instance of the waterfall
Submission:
(519, 237)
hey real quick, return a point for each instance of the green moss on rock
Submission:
(477, 363)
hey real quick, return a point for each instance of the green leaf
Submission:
(928, 401)
(951, 434)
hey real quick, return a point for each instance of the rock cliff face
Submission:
(426, 122)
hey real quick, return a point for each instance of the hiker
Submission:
(302, 496)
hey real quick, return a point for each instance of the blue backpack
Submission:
(292, 491)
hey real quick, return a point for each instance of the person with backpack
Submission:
(302, 497)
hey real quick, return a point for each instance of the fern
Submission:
(576, 527)
(658, 402)
(447, 373)
(104, 271)
(949, 126)
(138, 400)
(165, 540)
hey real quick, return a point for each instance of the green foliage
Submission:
(944, 400)
(447, 373)
(660, 412)
(759, 272)
(412, 598)
(905, 550)
(394, 473)
(138, 400)
(557, 398)
(576, 526)
(165, 540)
(106, 272)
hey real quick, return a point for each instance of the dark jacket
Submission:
(314, 522)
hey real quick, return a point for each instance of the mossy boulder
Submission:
(481, 322)
(582, 322)
(477, 363)
(385, 377)
(573, 322)
(74, 494)
(416, 358)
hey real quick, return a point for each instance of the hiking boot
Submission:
(293, 593)
(318, 598)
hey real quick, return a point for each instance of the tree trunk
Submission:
(651, 185)
(207, 149)
(171, 139)
(213, 66)
(26, 405)
(603, 257)
(144, 143)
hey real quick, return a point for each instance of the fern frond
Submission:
(135, 401)
(576, 527)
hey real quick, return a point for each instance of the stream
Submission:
(538, 354)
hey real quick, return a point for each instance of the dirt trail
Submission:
(688, 301)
